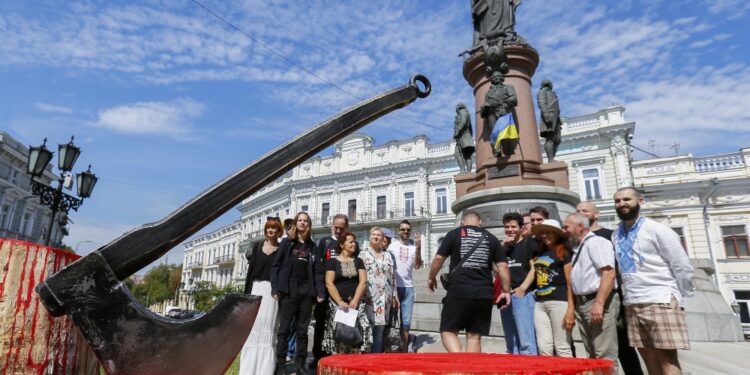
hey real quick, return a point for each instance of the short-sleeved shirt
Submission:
(518, 260)
(550, 277)
(406, 255)
(474, 279)
(347, 276)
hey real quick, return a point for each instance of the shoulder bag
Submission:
(445, 278)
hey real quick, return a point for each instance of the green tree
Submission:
(206, 294)
(160, 283)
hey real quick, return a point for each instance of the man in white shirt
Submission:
(408, 254)
(593, 280)
(656, 275)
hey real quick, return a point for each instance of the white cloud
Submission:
(157, 118)
(45, 107)
(732, 8)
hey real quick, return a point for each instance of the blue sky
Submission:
(165, 99)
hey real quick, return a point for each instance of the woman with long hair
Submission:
(296, 285)
(346, 281)
(381, 286)
(554, 311)
(257, 356)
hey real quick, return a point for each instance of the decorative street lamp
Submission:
(67, 155)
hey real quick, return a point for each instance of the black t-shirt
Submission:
(550, 277)
(328, 248)
(300, 257)
(474, 279)
(347, 279)
(604, 232)
(261, 270)
(518, 261)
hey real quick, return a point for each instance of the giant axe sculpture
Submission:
(130, 339)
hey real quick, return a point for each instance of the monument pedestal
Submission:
(524, 166)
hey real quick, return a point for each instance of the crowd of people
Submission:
(622, 288)
(298, 279)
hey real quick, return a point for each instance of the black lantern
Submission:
(39, 157)
(86, 181)
(67, 156)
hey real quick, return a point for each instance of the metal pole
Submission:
(55, 207)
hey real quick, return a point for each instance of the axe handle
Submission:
(138, 248)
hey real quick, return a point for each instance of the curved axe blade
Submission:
(123, 333)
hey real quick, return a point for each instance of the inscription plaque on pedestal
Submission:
(492, 215)
(507, 171)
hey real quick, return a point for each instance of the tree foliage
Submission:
(160, 283)
(205, 295)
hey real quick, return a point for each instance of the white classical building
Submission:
(22, 216)
(405, 179)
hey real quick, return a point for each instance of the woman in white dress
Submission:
(258, 355)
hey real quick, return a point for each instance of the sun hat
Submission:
(548, 225)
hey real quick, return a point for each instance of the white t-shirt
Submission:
(405, 256)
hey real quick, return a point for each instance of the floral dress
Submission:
(381, 285)
(348, 270)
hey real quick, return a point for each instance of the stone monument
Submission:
(515, 179)
(464, 138)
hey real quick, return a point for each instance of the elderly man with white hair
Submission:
(593, 281)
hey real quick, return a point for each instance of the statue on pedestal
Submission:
(464, 138)
(494, 19)
(498, 104)
(551, 127)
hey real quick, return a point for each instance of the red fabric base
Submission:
(459, 363)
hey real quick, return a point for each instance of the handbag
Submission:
(392, 341)
(347, 334)
(445, 278)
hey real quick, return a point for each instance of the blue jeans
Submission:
(406, 299)
(378, 333)
(518, 325)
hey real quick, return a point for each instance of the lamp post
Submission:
(67, 155)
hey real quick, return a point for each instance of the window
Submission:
(26, 224)
(680, 233)
(409, 204)
(441, 195)
(743, 299)
(592, 184)
(352, 211)
(380, 204)
(304, 208)
(324, 212)
(735, 241)
(5, 216)
(14, 175)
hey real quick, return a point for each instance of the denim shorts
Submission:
(406, 299)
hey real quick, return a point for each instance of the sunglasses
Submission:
(405, 230)
(273, 218)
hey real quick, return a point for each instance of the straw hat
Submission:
(548, 225)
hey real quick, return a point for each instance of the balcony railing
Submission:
(194, 265)
(719, 163)
(228, 258)
(376, 216)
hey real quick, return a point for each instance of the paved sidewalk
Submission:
(704, 358)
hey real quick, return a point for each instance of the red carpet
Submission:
(458, 363)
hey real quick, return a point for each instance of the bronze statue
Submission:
(549, 106)
(464, 138)
(493, 19)
(499, 101)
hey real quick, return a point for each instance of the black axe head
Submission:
(130, 339)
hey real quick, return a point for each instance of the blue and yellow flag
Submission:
(505, 129)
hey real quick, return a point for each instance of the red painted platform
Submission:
(459, 364)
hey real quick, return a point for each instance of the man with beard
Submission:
(656, 276)
(629, 361)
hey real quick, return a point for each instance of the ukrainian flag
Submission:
(505, 129)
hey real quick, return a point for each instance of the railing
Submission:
(581, 123)
(440, 148)
(229, 258)
(719, 163)
(376, 216)
(192, 265)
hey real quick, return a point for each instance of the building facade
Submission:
(707, 202)
(22, 216)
